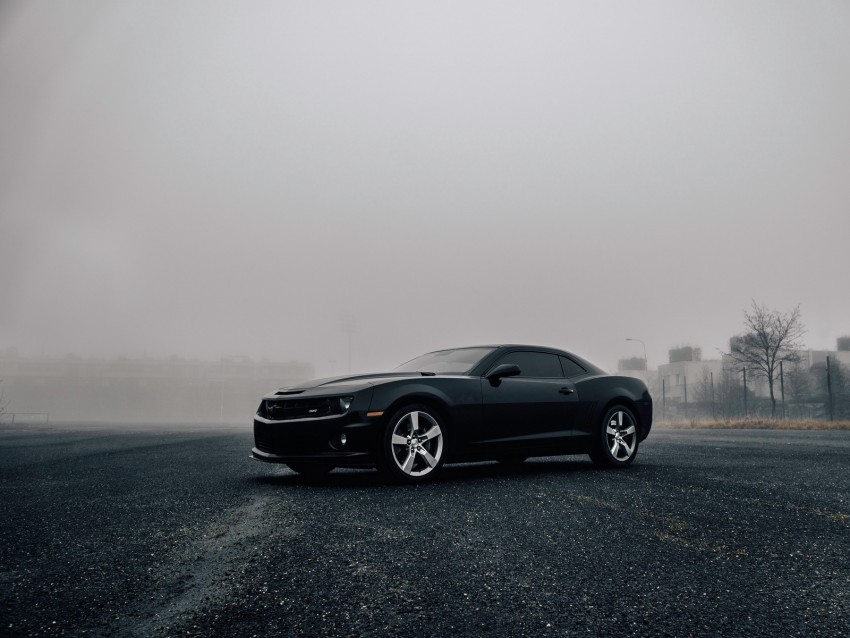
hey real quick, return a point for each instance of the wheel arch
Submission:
(626, 401)
(423, 398)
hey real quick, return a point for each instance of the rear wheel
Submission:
(413, 445)
(616, 440)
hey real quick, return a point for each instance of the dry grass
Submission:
(757, 424)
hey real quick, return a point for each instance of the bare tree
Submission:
(770, 337)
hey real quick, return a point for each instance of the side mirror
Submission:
(504, 370)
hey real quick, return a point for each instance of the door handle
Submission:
(566, 390)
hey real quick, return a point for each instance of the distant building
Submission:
(687, 376)
(811, 358)
(689, 386)
(684, 354)
(631, 364)
(143, 390)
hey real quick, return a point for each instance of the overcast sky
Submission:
(254, 178)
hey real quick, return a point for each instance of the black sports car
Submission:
(505, 402)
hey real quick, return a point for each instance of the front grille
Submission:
(284, 410)
(293, 438)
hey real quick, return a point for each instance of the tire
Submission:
(616, 440)
(308, 470)
(413, 445)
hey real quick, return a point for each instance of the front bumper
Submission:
(337, 459)
(317, 441)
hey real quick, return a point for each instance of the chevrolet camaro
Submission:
(505, 403)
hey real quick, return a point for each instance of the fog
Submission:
(289, 180)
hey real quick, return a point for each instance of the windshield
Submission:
(459, 361)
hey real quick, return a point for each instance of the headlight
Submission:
(345, 403)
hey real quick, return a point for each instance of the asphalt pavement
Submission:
(163, 532)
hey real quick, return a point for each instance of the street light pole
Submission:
(645, 361)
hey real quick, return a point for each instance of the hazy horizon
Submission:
(264, 179)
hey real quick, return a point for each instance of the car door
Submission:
(533, 412)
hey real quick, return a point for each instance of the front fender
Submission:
(458, 398)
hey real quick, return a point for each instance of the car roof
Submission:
(587, 365)
(506, 345)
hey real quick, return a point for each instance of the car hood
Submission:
(348, 383)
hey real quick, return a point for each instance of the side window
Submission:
(534, 364)
(571, 368)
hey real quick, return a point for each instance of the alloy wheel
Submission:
(621, 435)
(417, 443)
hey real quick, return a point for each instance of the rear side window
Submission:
(534, 364)
(571, 368)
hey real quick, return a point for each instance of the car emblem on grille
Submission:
(313, 411)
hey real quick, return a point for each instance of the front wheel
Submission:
(413, 445)
(616, 440)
